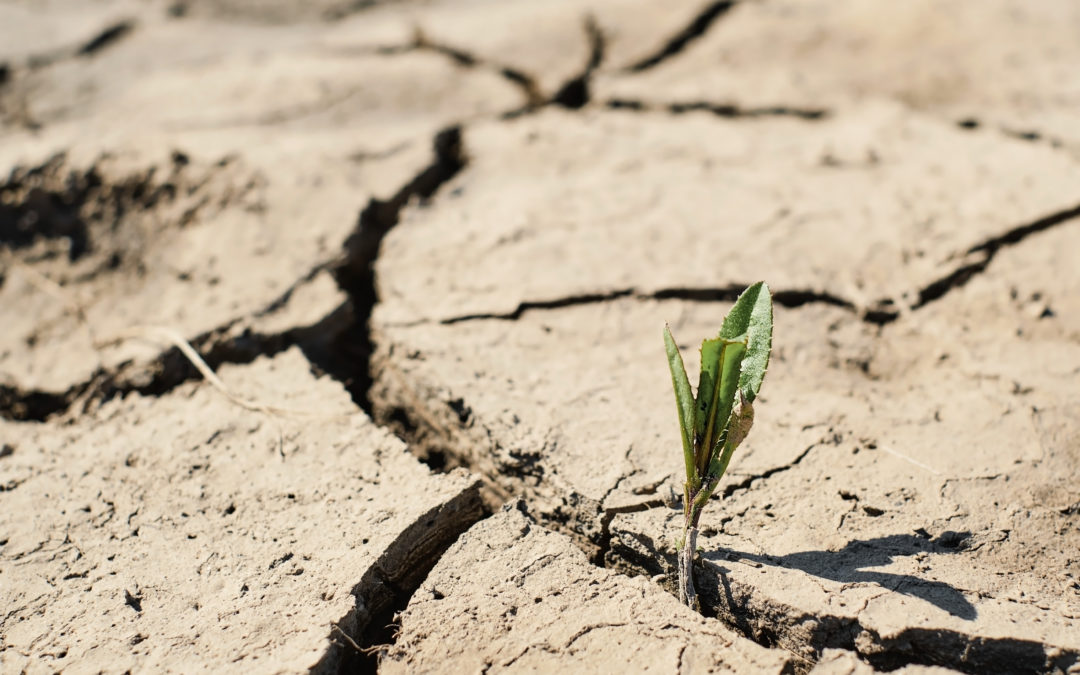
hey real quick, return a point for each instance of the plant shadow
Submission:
(848, 564)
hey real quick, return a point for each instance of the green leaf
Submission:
(720, 360)
(730, 360)
(751, 316)
(734, 356)
(708, 381)
(684, 399)
(742, 418)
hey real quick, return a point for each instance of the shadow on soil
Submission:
(847, 566)
(742, 606)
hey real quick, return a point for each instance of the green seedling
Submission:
(713, 424)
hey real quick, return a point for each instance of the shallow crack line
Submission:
(347, 9)
(105, 38)
(987, 250)
(697, 27)
(282, 300)
(1033, 136)
(621, 479)
(377, 155)
(725, 110)
(957, 278)
(295, 113)
(789, 298)
(529, 305)
(537, 564)
(12, 484)
(1025, 135)
(1017, 234)
(745, 483)
(608, 516)
(280, 116)
(574, 94)
(519, 78)
(590, 628)
(459, 57)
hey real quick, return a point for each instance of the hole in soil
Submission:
(381, 634)
(436, 461)
(40, 203)
(575, 93)
(32, 406)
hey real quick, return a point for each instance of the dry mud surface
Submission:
(428, 249)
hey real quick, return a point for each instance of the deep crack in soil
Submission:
(725, 110)
(355, 273)
(753, 614)
(342, 346)
(387, 588)
(985, 251)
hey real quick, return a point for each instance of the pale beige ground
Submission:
(471, 219)
(181, 533)
(516, 597)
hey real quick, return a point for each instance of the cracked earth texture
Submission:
(429, 248)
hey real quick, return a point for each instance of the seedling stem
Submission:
(713, 424)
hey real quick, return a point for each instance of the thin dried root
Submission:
(177, 340)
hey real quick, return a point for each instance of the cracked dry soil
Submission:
(428, 249)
